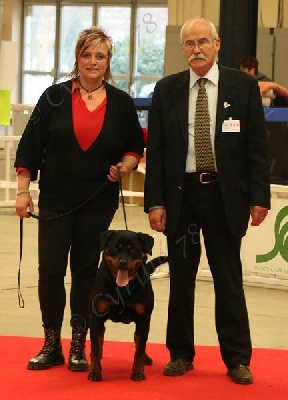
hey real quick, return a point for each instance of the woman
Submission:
(80, 134)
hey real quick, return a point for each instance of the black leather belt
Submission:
(202, 177)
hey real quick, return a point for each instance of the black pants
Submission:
(202, 209)
(77, 234)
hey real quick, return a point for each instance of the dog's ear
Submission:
(147, 241)
(105, 237)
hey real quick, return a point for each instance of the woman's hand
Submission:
(122, 168)
(116, 170)
(24, 203)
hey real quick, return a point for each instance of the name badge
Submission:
(231, 125)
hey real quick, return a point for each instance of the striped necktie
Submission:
(202, 138)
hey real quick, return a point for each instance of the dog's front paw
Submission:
(95, 376)
(138, 376)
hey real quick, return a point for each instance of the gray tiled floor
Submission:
(267, 307)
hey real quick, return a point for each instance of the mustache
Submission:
(197, 57)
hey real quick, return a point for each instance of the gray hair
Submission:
(192, 20)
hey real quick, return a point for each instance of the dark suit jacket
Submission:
(241, 157)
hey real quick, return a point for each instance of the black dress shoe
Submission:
(240, 374)
(177, 367)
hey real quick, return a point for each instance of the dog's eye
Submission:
(134, 253)
(112, 252)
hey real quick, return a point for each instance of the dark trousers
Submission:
(78, 235)
(202, 209)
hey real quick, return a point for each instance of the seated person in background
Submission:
(250, 64)
(277, 89)
(278, 135)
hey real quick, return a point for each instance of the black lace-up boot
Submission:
(50, 354)
(77, 358)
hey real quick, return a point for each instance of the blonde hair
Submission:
(88, 36)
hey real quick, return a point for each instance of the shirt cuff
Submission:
(20, 169)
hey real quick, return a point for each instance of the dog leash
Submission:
(19, 294)
(73, 209)
(32, 215)
(122, 197)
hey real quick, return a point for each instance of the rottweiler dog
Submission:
(122, 292)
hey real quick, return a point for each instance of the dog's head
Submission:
(124, 252)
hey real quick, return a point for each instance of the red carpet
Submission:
(208, 381)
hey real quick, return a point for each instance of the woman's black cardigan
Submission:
(69, 175)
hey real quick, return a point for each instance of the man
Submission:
(182, 199)
(250, 65)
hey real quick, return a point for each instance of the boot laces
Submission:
(49, 343)
(78, 341)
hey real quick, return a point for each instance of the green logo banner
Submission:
(281, 239)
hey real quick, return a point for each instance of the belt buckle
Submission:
(201, 178)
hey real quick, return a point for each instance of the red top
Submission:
(87, 124)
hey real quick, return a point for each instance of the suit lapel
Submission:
(226, 95)
(180, 99)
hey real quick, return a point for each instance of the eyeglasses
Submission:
(201, 43)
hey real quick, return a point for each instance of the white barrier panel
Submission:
(265, 248)
(8, 174)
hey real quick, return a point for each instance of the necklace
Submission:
(90, 91)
